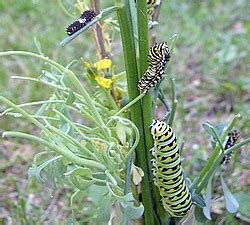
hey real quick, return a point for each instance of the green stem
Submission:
(129, 51)
(69, 74)
(102, 15)
(109, 98)
(237, 146)
(73, 141)
(174, 39)
(151, 217)
(217, 163)
(130, 104)
(214, 160)
(67, 154)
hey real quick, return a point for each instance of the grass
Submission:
(209, 65)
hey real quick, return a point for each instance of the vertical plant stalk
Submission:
(97, 31)
(147, 109)
(129, 51)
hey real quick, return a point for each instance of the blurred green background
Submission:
(210, 64)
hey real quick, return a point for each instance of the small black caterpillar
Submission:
(233, 138)
(158, 56)
(168, 172)
(84, 19)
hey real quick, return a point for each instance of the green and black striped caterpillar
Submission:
(168, 172)
(233, 138)
(151, 4)
(158, 56)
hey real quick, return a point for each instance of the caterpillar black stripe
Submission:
(158, 56)
(151, 3)
(84, 19)
(168, 172)
(233, 138)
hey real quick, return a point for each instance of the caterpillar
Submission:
(84, 19)
(168, 172)
(158, 56)
(233, 138)
(151, 4)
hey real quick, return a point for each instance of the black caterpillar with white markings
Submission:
(84, 19)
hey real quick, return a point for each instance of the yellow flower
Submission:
(104, 82)
(103, 64)
(93, 71)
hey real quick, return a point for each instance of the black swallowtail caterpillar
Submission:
(84, 19)
(151, 4)
(233, 138)
(168, 172)
(158, 56)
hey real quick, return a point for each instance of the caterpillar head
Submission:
(88, 15)
(157, 127)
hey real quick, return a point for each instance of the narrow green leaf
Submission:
(71, 98)
(36, 171)
(208, 198)
(121, 132)
(199, 216)
(81, 177)
(49, 75)
(198, 200)
(38, 46)
(209, 128)
(212, 131)
(232, 205)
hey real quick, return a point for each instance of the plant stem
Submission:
(67, 154)
(129, 51)
(215, 160)
(98, 35)
(147, 114)
(246, 141)
(130, 104)
(102, 15)
(69, 74)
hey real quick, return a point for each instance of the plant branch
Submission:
(98, 35)
(69, 74)
(215, 160)
(67, 154)
(129, 51)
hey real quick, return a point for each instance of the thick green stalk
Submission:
(147, 106)
(129, 51)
